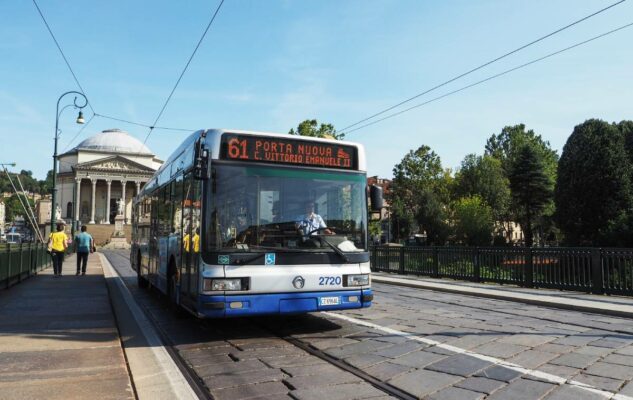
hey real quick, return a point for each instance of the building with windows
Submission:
(99, 177)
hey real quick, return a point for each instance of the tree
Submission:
(13, 207)
(473, 221)
(483, 176)
(419, 193)
(505, 147)
(311, 127)
(594, 190)
(531, 187)
(375, 229)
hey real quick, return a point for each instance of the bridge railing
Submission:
(20, 261)
(595, 270)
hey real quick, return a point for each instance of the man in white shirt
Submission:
(311, 223)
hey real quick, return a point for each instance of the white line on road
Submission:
(177, 382)
(515, 367)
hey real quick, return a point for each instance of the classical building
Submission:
(101, 175)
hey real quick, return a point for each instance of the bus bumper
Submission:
(221, 306)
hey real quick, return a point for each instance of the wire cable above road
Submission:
(346, 129)
(493, 77)
(153, 126)
(62, 53)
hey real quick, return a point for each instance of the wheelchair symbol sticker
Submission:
(270, 259)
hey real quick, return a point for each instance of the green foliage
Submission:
(473, 221)
(531, 187)
(375, 228)
(419, 193)
(13, 208)
(29, 183)
(311, 127)
(505, 147)
(594, 191)
(484, 176)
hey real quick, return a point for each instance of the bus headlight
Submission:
(213, 285)
(356, 280)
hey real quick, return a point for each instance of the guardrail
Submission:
(594, 270)
(20, 261)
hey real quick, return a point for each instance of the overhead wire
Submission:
(79, 132)
(346, 129)
(62, 52)
(153, 126)
(74, 75)
(493, 77)
(143, 125)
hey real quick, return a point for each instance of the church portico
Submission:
(99, 178)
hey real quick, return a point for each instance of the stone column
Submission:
(107, 207)
(77, 199)
(138, 187)
(123, 183)
(93, 200)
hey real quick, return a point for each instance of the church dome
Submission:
(115, 141)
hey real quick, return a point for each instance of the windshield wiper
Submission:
(336, 249)
(248, 260)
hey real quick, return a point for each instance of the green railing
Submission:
(592, 270)
(20, 261)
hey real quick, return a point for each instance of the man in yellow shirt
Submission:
(58, 242)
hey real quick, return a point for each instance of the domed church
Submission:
(101, 175)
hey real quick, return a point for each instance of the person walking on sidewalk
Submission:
(84, 245)
(58, 242)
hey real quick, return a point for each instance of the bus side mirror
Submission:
(201, 165)
(375, 197)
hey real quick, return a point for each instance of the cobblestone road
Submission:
(429, 344)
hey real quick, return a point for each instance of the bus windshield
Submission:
(262, 208)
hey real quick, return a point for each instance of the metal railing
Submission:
(594, 270)
(20, 261)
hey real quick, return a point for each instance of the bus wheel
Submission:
(142, 282)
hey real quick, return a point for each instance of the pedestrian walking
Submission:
(57, 243)
(84, 245)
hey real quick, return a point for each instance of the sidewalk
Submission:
(59, 338)
(577, 301)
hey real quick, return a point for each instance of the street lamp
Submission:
(80, 120)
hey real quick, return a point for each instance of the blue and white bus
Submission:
(220, 227)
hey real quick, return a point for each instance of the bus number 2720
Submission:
(329, 280)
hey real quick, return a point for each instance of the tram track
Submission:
(188, 373)
(204, 393)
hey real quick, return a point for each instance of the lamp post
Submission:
(80, 120)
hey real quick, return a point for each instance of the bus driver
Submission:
(311, 223)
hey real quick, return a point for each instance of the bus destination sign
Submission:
(287, 151)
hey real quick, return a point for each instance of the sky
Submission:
(268, 65)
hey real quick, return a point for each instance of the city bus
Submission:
(222, 227)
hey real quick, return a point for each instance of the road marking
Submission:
(458, 350)
(174, 377)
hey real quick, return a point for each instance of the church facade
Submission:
(99, 177)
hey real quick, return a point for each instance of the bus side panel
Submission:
(163, 258)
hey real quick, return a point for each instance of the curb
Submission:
(546, 300)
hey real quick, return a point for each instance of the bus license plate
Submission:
(330, 301)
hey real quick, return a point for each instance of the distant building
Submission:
(103, 170)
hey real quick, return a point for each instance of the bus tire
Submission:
(142, 282)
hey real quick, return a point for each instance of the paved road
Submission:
(429, 344)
